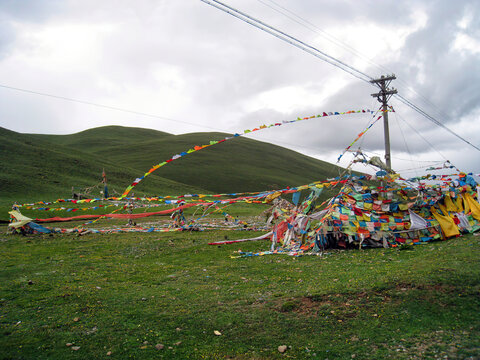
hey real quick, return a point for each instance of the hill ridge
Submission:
(55, 161)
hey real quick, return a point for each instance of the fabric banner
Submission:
(416, 221)
(261, 237)
(116, 216)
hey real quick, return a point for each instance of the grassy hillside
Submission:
(33, 168)
(237, 165)
(103, 138)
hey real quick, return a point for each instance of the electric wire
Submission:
(314, 151)
(289, 39)
(109, 107)
(277, 33)
(424, 139)
(321, 55)
(404, 141)
(432, 119)
(312, 27)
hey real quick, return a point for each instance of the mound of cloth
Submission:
(367, 214)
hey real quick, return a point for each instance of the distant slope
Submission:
(33, 166)
(32, 169)
(239, 164)
(104, 137)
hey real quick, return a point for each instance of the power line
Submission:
(108, 107)
(289, 39)
(312, 27)
(420, 135)
(432, 119)
(321, 55)
(105, 106)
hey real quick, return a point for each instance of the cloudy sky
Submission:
(196, 68)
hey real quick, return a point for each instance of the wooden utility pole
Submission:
(383, 96)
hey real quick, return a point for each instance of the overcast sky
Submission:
(205, 70)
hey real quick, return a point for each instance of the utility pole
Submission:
(383, 96)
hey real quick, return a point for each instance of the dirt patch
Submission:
(432, 287)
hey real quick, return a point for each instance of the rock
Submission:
(145, 342)
(159, 346)
(76, 319)
(282, 348)
(75, 348)
(178, 329)
(177, 343)
(109, 353)
(216, 332)
(93, 330)
(69, 344)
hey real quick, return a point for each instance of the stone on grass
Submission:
(282, 348)
(216, 332)
(75, 348)
(159, 346)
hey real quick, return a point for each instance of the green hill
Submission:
(34, 166)
(102, 138)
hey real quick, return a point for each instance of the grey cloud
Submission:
(7, 38)
(30, 10)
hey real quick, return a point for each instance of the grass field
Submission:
(118, 296)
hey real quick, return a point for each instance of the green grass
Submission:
(34, 169)
(133, 291)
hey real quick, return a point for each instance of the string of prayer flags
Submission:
(211, 143)
(358, 138)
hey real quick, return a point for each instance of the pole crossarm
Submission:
(383, 96)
